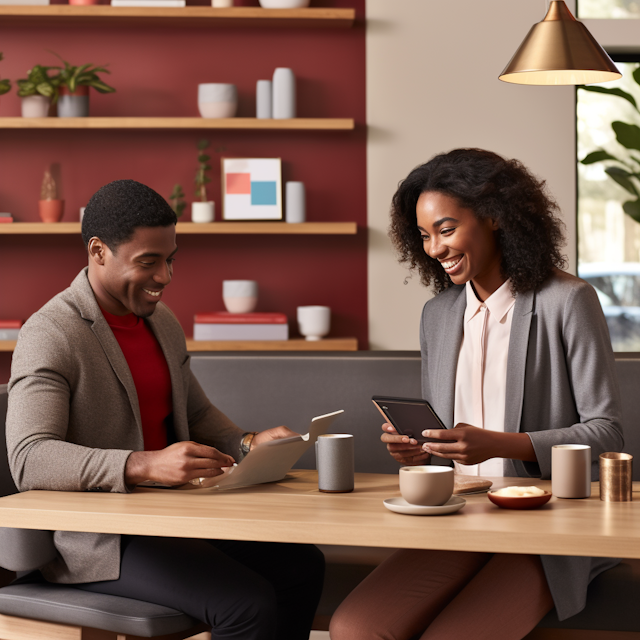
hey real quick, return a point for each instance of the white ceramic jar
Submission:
(202, 212)
(284, 94)
(35, 106)
(240, 296)
(314, 322)
(217, 100)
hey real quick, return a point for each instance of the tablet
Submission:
(272, 460)
(409, 416)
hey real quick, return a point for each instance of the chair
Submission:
(57, 611)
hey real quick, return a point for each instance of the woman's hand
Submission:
(471, 445)
(403, 449)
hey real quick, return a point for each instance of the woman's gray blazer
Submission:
(561, 388)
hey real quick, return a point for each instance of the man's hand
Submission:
(277, 433)
(176, 464)
(403, 449)
(472, 445)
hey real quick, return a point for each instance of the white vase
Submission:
(264, 100)
(284, 94)
(283, 4)
(202, 211)
(35, 107)
(296, 202)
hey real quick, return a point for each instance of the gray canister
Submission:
(264, 100)
(334, 461)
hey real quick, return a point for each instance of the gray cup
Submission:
(334, 461)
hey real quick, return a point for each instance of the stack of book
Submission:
(9, 329)
(148, 3)
(221, 325)
(6, 217)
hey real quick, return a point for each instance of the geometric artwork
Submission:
(251, 189)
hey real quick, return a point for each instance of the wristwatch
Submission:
(245, 443)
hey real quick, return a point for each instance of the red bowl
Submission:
(521, 502)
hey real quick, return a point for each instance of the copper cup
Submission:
(616, 476)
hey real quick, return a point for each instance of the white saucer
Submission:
(400, 505)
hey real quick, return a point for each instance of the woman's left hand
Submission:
(467, 444)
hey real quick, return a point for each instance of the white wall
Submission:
(432, 85)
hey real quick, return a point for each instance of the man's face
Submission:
(132, 278)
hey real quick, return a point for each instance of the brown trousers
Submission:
(446, 595)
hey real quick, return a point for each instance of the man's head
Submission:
(129, 231)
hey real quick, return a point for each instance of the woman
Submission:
(515, 354)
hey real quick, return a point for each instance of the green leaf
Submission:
(5, 86)
(623, 178)
(598, 156)
(203, 144)
(632, 209)
(612, 92)
(202, 158)
(636, 75)
(628, 135)
(101, 86)
(45, 89)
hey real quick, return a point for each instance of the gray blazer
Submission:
(73, 416)
(561, 388)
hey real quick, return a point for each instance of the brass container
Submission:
(616, 475)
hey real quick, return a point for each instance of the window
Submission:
(608, 9)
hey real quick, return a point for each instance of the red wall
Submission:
(156, 72)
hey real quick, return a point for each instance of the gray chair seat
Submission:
(66, 605)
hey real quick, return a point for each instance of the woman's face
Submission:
(463, 244)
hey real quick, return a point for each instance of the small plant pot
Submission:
(35, 107)
(73, 105)
(202, 211)
(51, 210)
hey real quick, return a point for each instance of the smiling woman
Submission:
(515, 359)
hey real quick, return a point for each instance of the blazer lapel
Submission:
(517, 360)
(89, 310)
(448, 357)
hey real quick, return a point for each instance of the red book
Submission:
(11, 324)
(223, 317)
(5, 219)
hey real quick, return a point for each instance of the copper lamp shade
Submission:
(559, 50)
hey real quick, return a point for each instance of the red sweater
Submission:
(150, 374)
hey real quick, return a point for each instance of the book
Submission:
(147, 3)
(9, 329)
(240, 326)
(24, 2)
(5, 219)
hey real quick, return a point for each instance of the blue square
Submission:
(263, 193)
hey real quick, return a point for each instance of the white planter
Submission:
(284, 94)
(202, 211)
(240, 296)
(35, 107)
(217, 100)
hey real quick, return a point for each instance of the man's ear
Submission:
(97, 250)
(494, 224)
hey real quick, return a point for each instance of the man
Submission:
(102, 397)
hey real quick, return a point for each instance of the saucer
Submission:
(400, 505)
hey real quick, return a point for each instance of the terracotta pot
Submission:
(51, 210)
(73, 105)
(84, 2)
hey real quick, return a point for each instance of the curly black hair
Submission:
(117, 209)
(530, 235)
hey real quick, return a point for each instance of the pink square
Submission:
(239, 183)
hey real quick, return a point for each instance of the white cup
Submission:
(202, 212)
(240, 296)
(217, 100)
(296, 211)
(571, 470)
(314, 322)
(426, 485)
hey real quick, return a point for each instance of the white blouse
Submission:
(481, 376)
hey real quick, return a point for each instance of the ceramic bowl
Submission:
(523, 502)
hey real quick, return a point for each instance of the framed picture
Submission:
(251, 189)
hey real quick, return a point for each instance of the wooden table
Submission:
(294, 511)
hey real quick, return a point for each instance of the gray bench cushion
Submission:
(66, 605)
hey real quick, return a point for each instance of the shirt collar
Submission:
(499, 302)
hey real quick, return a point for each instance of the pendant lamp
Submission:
(559, 50)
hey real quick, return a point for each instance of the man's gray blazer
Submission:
(73, 417)
(561, 388)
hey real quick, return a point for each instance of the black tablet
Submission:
(409, 416)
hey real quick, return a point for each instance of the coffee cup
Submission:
(426, 485)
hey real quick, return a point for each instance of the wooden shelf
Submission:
(237, 228)
(328, 344)
(297, 344)
(203, 17)
(252, 124)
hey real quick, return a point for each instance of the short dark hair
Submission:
(117, 209)
(530, 235)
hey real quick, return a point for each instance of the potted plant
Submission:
(5, 85)
(50, 207)
(38, 91)
(202, 211)
(176, 199)
(75, 83)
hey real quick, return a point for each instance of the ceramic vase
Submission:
(217, 100)
(35, 107)
(51, 210)
(264, 99)
(284, 94)
(73, 105)
(202, 212)
(240, 296)
(296, 211)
